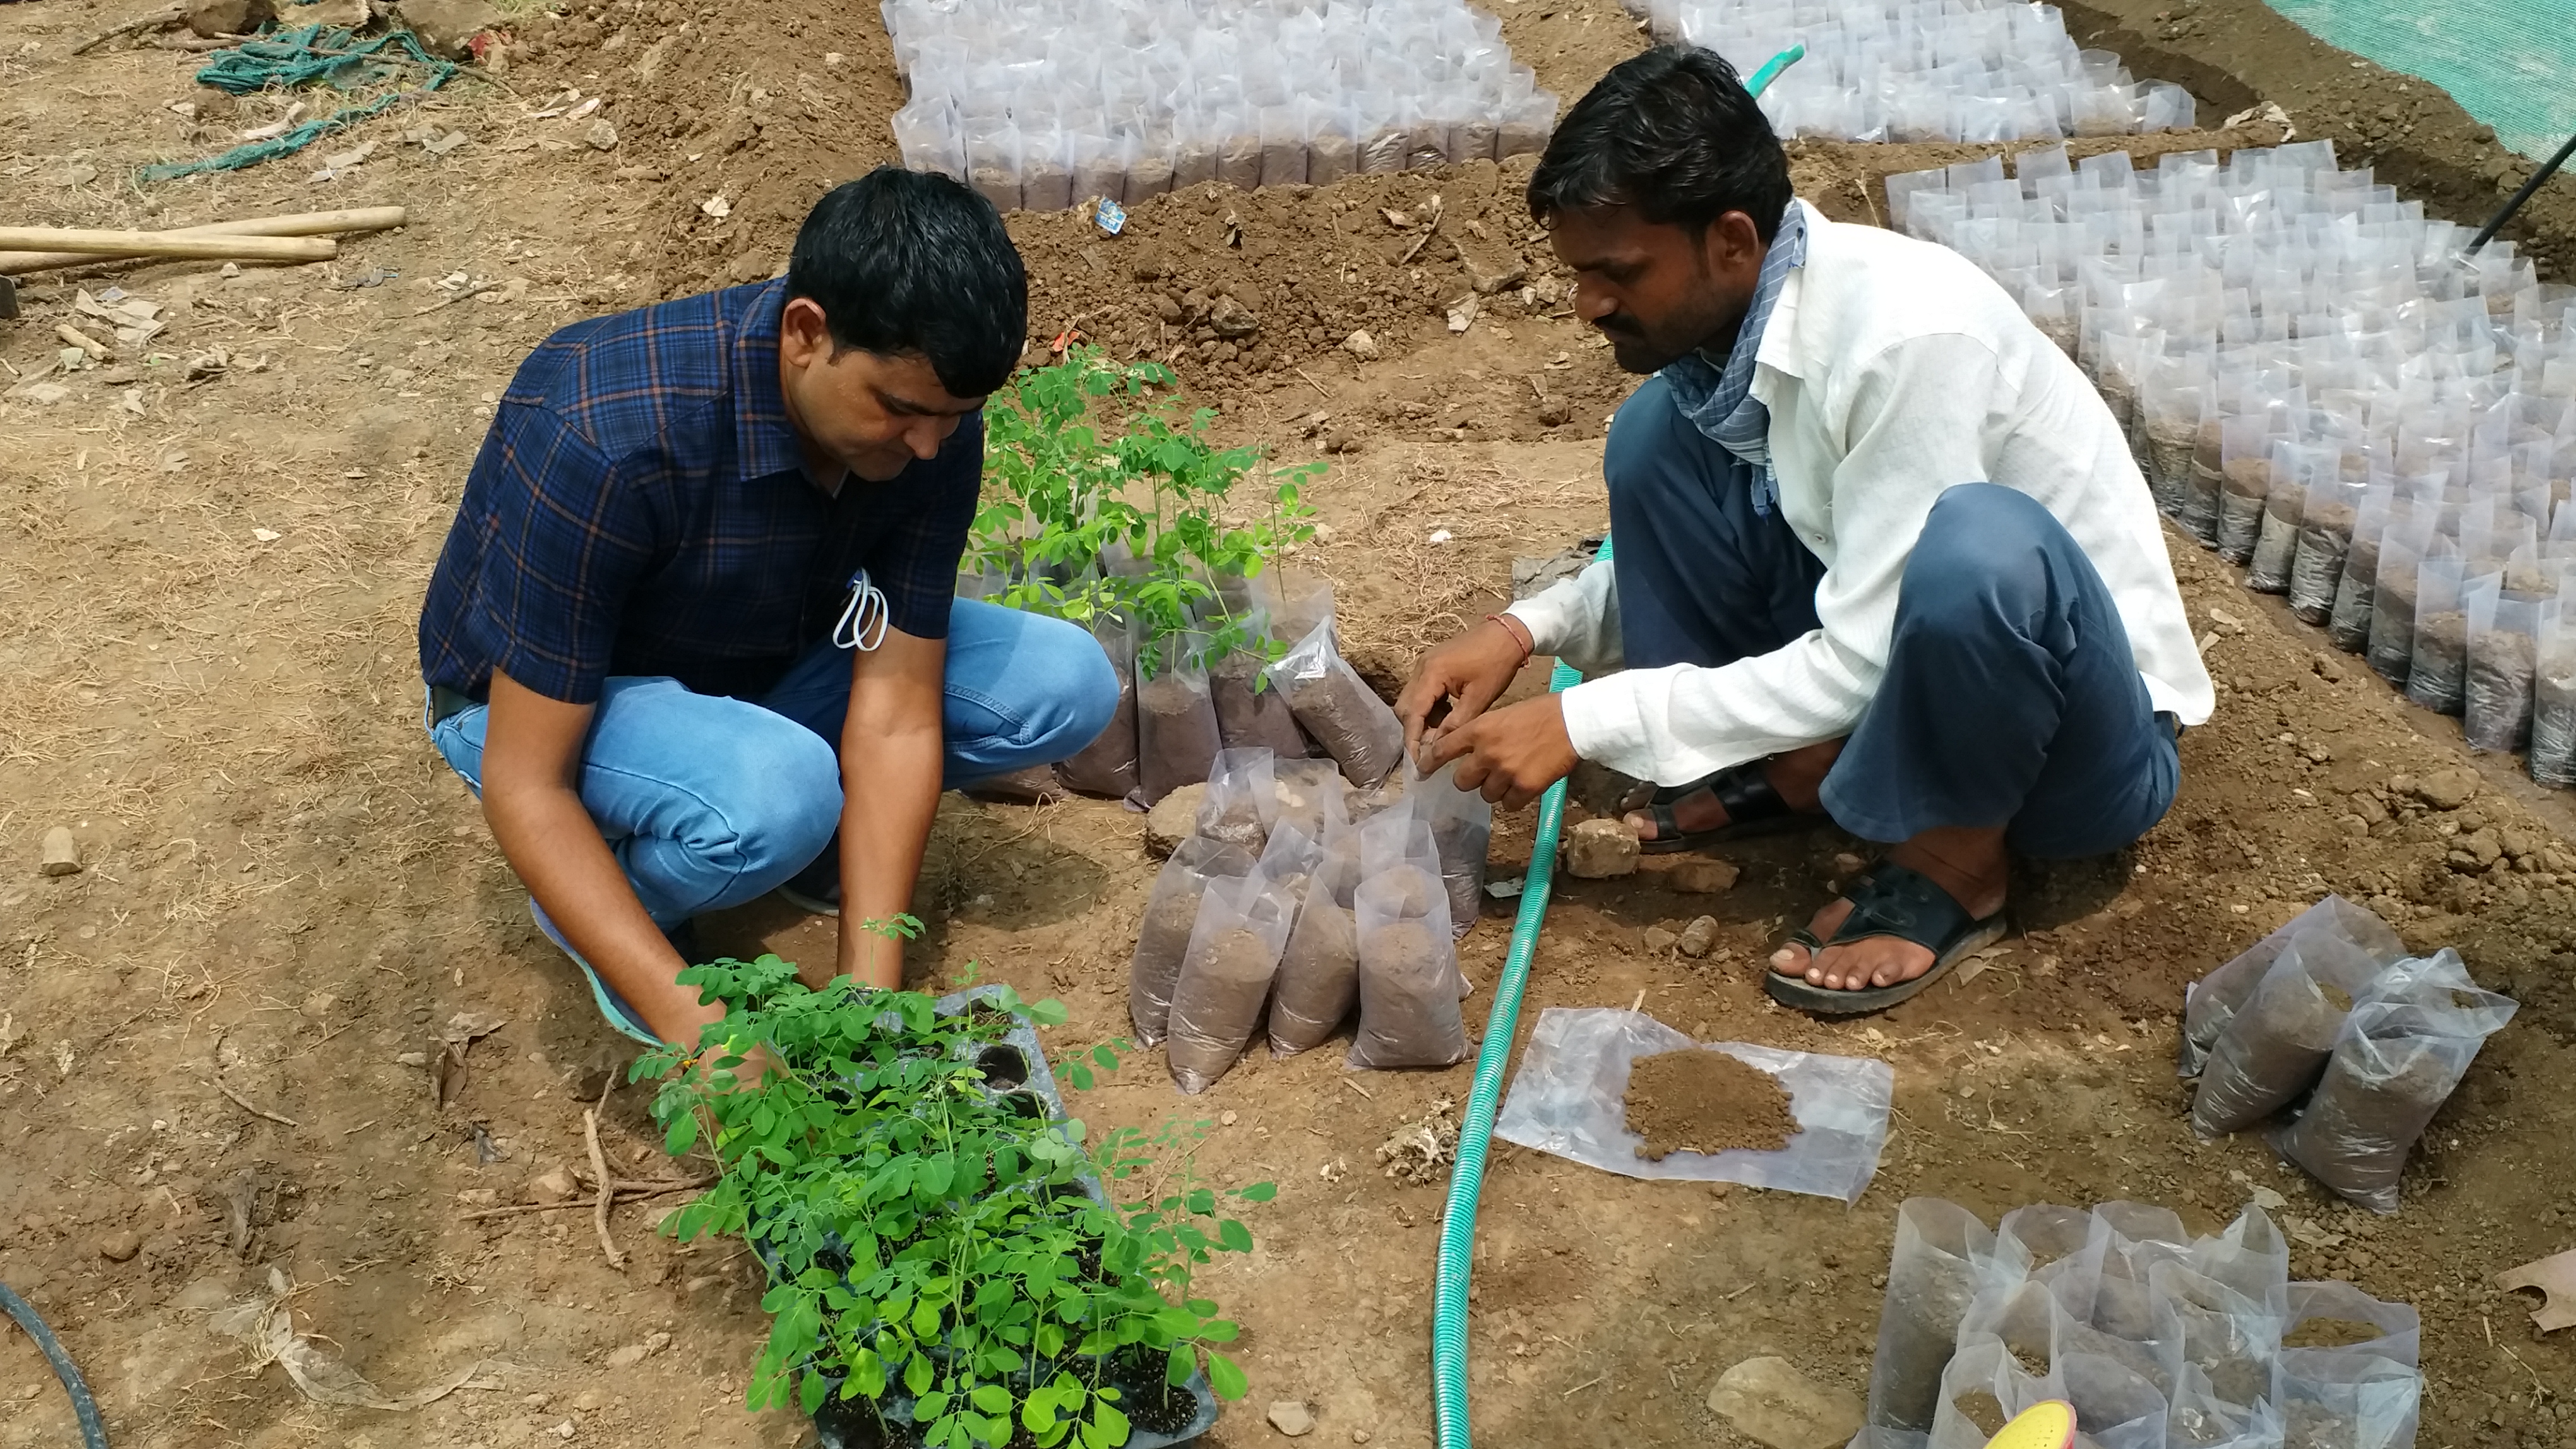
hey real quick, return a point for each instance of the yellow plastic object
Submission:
(2046, 1425)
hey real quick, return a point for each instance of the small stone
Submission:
(1554, 413)
(1698, 937)
(1769, 1400)
(226, 17)
(1658, 940)
(1702, 875)
(2329, 668)
(1847, 864)
(602, 136)
(1232, 320)
(479, 1196)
(1173, 819)
(1292, 1418)
(588, 1401)
(447, 27)
(1359, 1436)
(1600, 850)
(626, 1357)
(59, 854)
(555, 1184)
(2446, 789)
(121, 1246)
(319, 1006)
(1361, 345)
(411, 1059)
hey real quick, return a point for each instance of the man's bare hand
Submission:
(1466, 673)
(1511, 755)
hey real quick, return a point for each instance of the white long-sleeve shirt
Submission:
(1893, 369)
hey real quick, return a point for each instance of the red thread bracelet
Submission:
(1520, 636)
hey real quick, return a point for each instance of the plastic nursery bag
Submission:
(2276, 1048)
(2210, 1003)
(2394, 1067)
(1569, 1098)
(1171, 915)
(2227, 1338)
(2504, 641)
(1176, 732)
(1238, 806)
(1107, 766)
(1409, 977)
(1319, 975)
(1250, 711)
(2553, 696)
(1462, 825)
(2349, 1400)
(1233, 956)
(1311, 795)
(1338, 708)
(1942, 1255)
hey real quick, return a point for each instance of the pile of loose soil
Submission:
(1705, 1101)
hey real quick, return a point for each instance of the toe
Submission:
(1639, 824)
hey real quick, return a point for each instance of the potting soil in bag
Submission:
(1409, 975)
(1932, 1277)
(1233, 956)
(2129, 1239)
(1462, 825)
(2324, 550)
(1250, 711)
(1319, 974)
(1338, 708)
(2397, 1330)
(2503, 647)
(1400, 836)
(1107, 766)
(2210, 1003)
(2223, 1335)
(1171, 914)
(2348, 1401)
(2276, 1048)
(2394, 1067)
(1311, 795)
(1238, 806)
(2200, 1419)
(2348, 624)
(2553, 698)
(1979, 1390)
(2278, 540)
(1176, 734)
(2437, 678)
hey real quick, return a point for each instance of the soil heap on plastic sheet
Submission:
(1703, 1100)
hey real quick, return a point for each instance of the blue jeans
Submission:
(709, 801)
(2011, 695)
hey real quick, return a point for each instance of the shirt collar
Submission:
(765, 443)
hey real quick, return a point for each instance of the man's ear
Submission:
(804, 337)
(1733, 244)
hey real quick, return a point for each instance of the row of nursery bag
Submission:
(2159, 1340)
(1298, 899)
(1178, 709)
(2344, 1044)
(2320, 387)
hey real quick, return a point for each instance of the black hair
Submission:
(912, 262)
(1672, 133)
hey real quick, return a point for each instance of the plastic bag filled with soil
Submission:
(2348, 625)
(1570, 1097)
(1171, 914)
(2348, 1401)
(1251, 712)
(1176, 732)
(1311, 795)
(2276, 1048)
(2227, 1337)
(1107, 766)
(1338, 708)
(2200, 1419)
(2395, 1066)
(2029, 1319)
(2343, 1320)
(1239, 804)
(2330, 512)
(2504, 646)
(2289, 472)
(1462, 826)
(2244, 483)
(2250, 1257)
(2210, 1003)
(2438, 675)
(1942, 1252)
(2201, 488)
(2129, 1239)
(2553, 698)
(2048, 1245)
(1319, 974)
(1979, 1390)
(2172, 424)
(1409, 974)
(1233, 956)
(2392, 605)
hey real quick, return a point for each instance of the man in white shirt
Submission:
(1879, 552)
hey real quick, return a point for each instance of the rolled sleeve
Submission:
(570, 538)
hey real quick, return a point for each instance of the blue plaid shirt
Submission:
(640, 507)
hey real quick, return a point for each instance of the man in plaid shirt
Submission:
(697, 612)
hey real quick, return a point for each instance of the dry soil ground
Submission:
(207, 592)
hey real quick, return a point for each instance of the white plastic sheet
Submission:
(1568, 1099)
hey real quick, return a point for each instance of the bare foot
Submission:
(1798, 777)
(1968, 864)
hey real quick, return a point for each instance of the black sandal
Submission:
(1888, 900)
(1752, 808)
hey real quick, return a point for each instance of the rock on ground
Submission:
(226, 17)
(447, 27)
(1292, 1418)
(1658, 940)
(1768, 1399)
(1600, 849)
(60, 853)
(1698, 937)
(1172, 820)
(2447, 789)
(1701, 875)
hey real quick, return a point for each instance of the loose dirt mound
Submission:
(1705, 1101)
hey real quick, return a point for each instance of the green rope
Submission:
(291, 58)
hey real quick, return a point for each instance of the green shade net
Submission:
(290, 58)
(2510, 63)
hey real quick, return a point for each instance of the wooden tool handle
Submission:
(168, 244)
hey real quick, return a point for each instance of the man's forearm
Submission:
(557, 850)
(890, 791)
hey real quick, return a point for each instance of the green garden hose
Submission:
(1476, 1125)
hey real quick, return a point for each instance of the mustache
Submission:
(1620, 324)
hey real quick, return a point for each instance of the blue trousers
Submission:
(709, 801)
(2011, 696)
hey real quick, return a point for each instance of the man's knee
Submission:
(1984, 549)
(773, 797)
(1077, 690)
(1644, 434)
